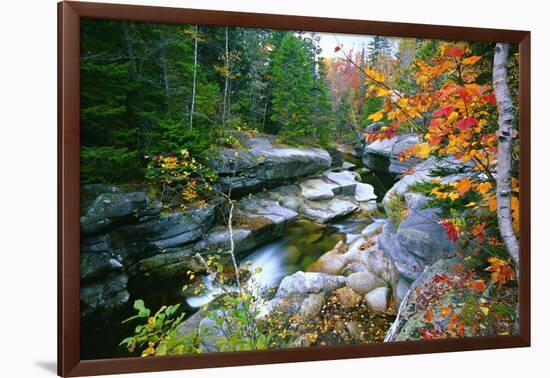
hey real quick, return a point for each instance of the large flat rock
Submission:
(261, 164)
(327, 210)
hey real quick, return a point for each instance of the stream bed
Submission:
(302, 243)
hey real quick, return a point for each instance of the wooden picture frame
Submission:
(69, 16)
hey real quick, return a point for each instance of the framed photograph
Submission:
(241, 188)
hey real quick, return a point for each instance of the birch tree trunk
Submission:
(505, 136)
(226, 74)
(194, 78)
(165, 73)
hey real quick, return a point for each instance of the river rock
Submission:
(317, 189)
(94, 265)
(358, 251)
(264, 165)
(344, 182)
(311, 307)
(301, 283)
(418, 240)
(116, 207)
(377, 299)
(423, 172)
(376, 155)
(172, 230)
(89, 192)
(400, 290)
(260, 221)
(303, 294)
(303, 341)
(373, 229)
(106, 295)
(332, 261)
(354, 328)
(347, 165)
(170, 264)
(269, 209)
(347, 297)
(410, 317)
(354, 267)
(244, 239)
(383, 155)
(363, 282)
(403, 143)
(327, 210)
(381, 265)
(336, 155)
(364, 193)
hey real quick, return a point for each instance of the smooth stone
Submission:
(364, 193)
(418, 240)
(377, 299)
(332, 261)
(345, 181)
(347, 297)
(301, 283)
(382, 266)
(354, 267)
(363, 282)
(373, 229)
(311, 306)
(328, 210)
(317, 189)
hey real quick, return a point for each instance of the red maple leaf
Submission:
(450, 229)
(444, 111)
(466, 123)
(479, 232)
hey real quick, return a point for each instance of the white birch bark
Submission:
(194, 78)
(226, 74)
(505, 137)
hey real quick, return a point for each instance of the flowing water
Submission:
(302, 243)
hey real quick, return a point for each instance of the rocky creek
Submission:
(312, 220)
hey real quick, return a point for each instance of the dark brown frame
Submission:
(69, 14)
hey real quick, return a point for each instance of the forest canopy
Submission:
(153, 89)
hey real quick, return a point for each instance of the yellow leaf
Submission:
(393, 114)
(471, 60)
(376, 116)
(484, 187)
(422, 150)
(471, 204)
(515, 212)
(382, 92)
(452, 118)
(149, 351)
(438, 194)
(485, 310)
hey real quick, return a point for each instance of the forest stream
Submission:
(247, 189)
(301, 244)
(304, 241)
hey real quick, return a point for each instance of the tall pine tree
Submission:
(293, 90)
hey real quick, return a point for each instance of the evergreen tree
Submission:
(293, 90)
(379, 50)
(323, 118)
